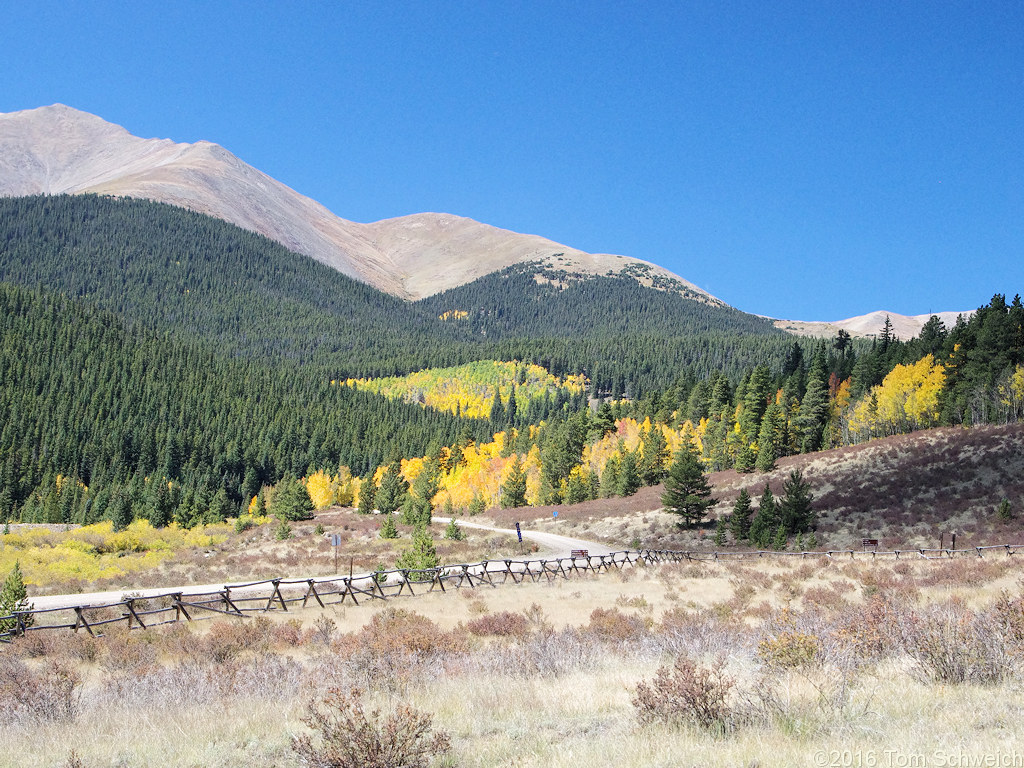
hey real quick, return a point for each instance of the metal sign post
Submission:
(519, 533)
(335, 543)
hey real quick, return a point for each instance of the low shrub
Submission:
(687, 693)
(51, 692)
(951, 644)
(786, 645)
(346, 736)
(501, 624)
(612, 625)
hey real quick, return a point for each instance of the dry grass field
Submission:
(763, 662)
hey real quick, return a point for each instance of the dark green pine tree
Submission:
(795, 510)
(220, 506)
(604, 421)
(655, 453)
(418, 507)
(766, 448)
(497, 412)
(629, 476)
(687, 491)
(779, 540)
(388, 529)
(513, 490)
(763, 526)
(511, 410)
(739, 520)
(393, 489)
(755, 402)
(745, 460)
(120, 511)
(290, 501)
(610, 477)
(367, 494)
(814, 408)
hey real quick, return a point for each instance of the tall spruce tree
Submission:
(513, 490)
(739, 521)
(367, 494)
(766, 448)
(393, 489)
(687, 490)
(795, 506)
(655, 453)
(629, 476)
(762, 527)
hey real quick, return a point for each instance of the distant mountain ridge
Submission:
(61, 150)
(903, 326)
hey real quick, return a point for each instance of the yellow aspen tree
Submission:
(320, 490)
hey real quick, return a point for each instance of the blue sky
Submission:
(812, 160)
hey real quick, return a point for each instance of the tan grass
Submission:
(557, 699)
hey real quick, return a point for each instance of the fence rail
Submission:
(140, 612)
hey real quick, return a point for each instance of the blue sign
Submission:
(519, 533)
(555, 513)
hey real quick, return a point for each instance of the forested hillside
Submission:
(199, 277)
(626, 338)
(98, 415)
(162, 364)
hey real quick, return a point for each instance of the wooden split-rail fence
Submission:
(240, 600)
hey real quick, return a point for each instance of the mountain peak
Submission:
(62, 150)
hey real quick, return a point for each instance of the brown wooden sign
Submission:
(869, 543)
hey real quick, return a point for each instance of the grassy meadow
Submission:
(767, 662)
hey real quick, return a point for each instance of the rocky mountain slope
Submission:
(57, 149)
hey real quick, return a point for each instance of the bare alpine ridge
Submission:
(60, 150)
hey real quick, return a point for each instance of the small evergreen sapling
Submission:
(388, 529)
(1004, 511)
(477, 505)
(14, 597)
(422, 555)
(720, 529)
(453, 532)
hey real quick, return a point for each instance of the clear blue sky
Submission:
(813, 160)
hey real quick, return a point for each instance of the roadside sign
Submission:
(335, 539)
(519, 533)
(554, 513)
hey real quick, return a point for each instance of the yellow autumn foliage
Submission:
(97, 551)
(907, 399)
(320, 490)
(470, 389)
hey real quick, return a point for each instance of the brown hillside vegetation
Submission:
(903, 490)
